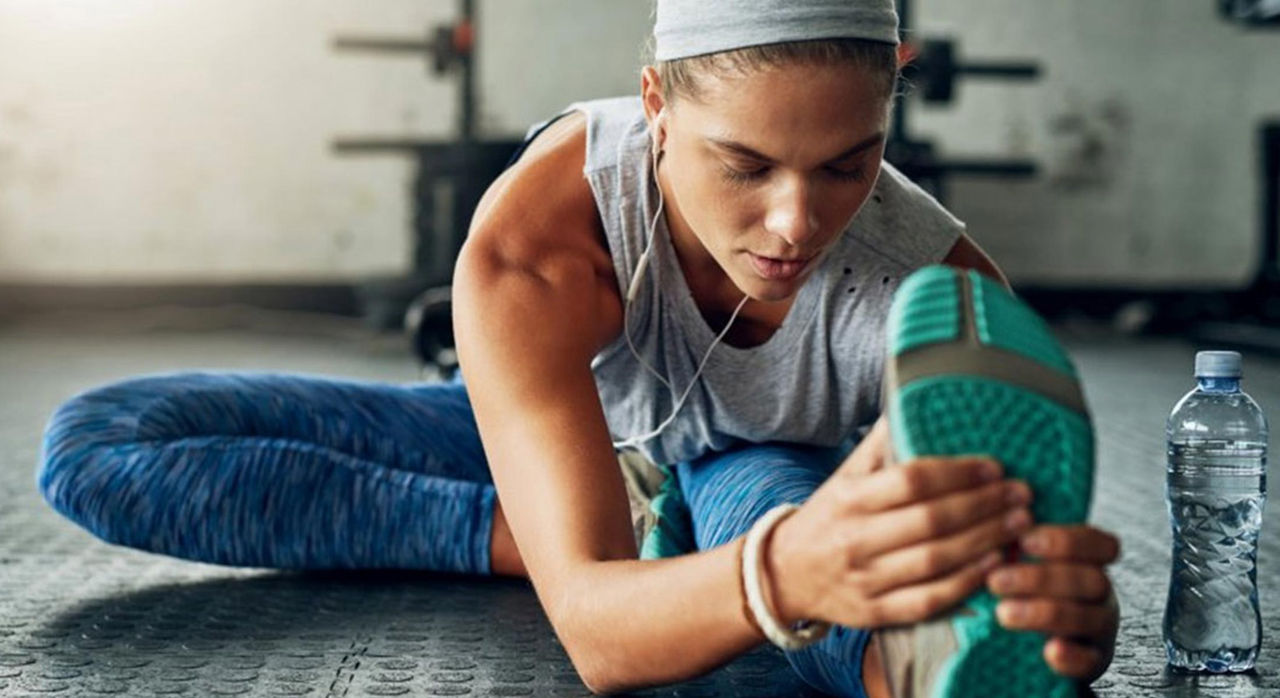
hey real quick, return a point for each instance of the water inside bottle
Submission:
(1216, 491)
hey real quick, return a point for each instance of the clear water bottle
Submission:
(1216, 484)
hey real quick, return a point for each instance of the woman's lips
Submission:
(778, 269)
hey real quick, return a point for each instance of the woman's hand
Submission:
(877, 546)
(1066, 595)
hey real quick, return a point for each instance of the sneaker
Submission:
(973, 370)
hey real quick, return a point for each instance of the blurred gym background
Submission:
(283, 186)
(1119, 160)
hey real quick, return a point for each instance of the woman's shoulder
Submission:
(543, 197)
(540, 217)
(580, 150)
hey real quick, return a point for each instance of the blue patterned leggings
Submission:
(302, 472)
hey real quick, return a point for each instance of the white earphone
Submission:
(633, 290)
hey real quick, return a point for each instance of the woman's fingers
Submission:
(922, 479)
(1056, 617)
(871, 454)
(941, 517)
(928, 560)
(1080, 582)
(1077, 543)
(1072, 658)
(917, 602)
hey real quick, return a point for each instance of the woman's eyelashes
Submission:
(736, 175)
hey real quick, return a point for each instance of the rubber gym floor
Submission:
(82, 617)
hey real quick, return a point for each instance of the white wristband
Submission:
(803, 633)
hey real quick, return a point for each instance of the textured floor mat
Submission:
(82, 618)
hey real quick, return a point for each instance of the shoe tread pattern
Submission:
(933, 317)
(1039, 441)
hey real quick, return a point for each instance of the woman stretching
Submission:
(714, 391)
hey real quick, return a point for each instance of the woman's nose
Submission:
(791, 215)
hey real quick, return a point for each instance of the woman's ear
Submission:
(654, 105)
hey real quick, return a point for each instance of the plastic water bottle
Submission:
(1216, 487)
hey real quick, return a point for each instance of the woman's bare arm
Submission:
(535, 299)
(966, 254)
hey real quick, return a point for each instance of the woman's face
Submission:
(762, 172)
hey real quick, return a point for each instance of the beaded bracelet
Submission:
(803, 633)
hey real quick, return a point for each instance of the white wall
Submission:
(1174, 95)
(540, 55)
(188, 140)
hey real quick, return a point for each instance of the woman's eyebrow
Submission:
(746, 151)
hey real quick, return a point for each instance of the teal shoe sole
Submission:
(972, 370)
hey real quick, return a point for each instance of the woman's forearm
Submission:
(635, 623)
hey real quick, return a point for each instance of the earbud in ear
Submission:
(659, 130)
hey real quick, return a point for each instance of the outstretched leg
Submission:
(275, 470)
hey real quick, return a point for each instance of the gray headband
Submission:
(685, 28)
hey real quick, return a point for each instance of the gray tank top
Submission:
(815, 381)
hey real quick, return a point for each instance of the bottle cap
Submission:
(1218, 364)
